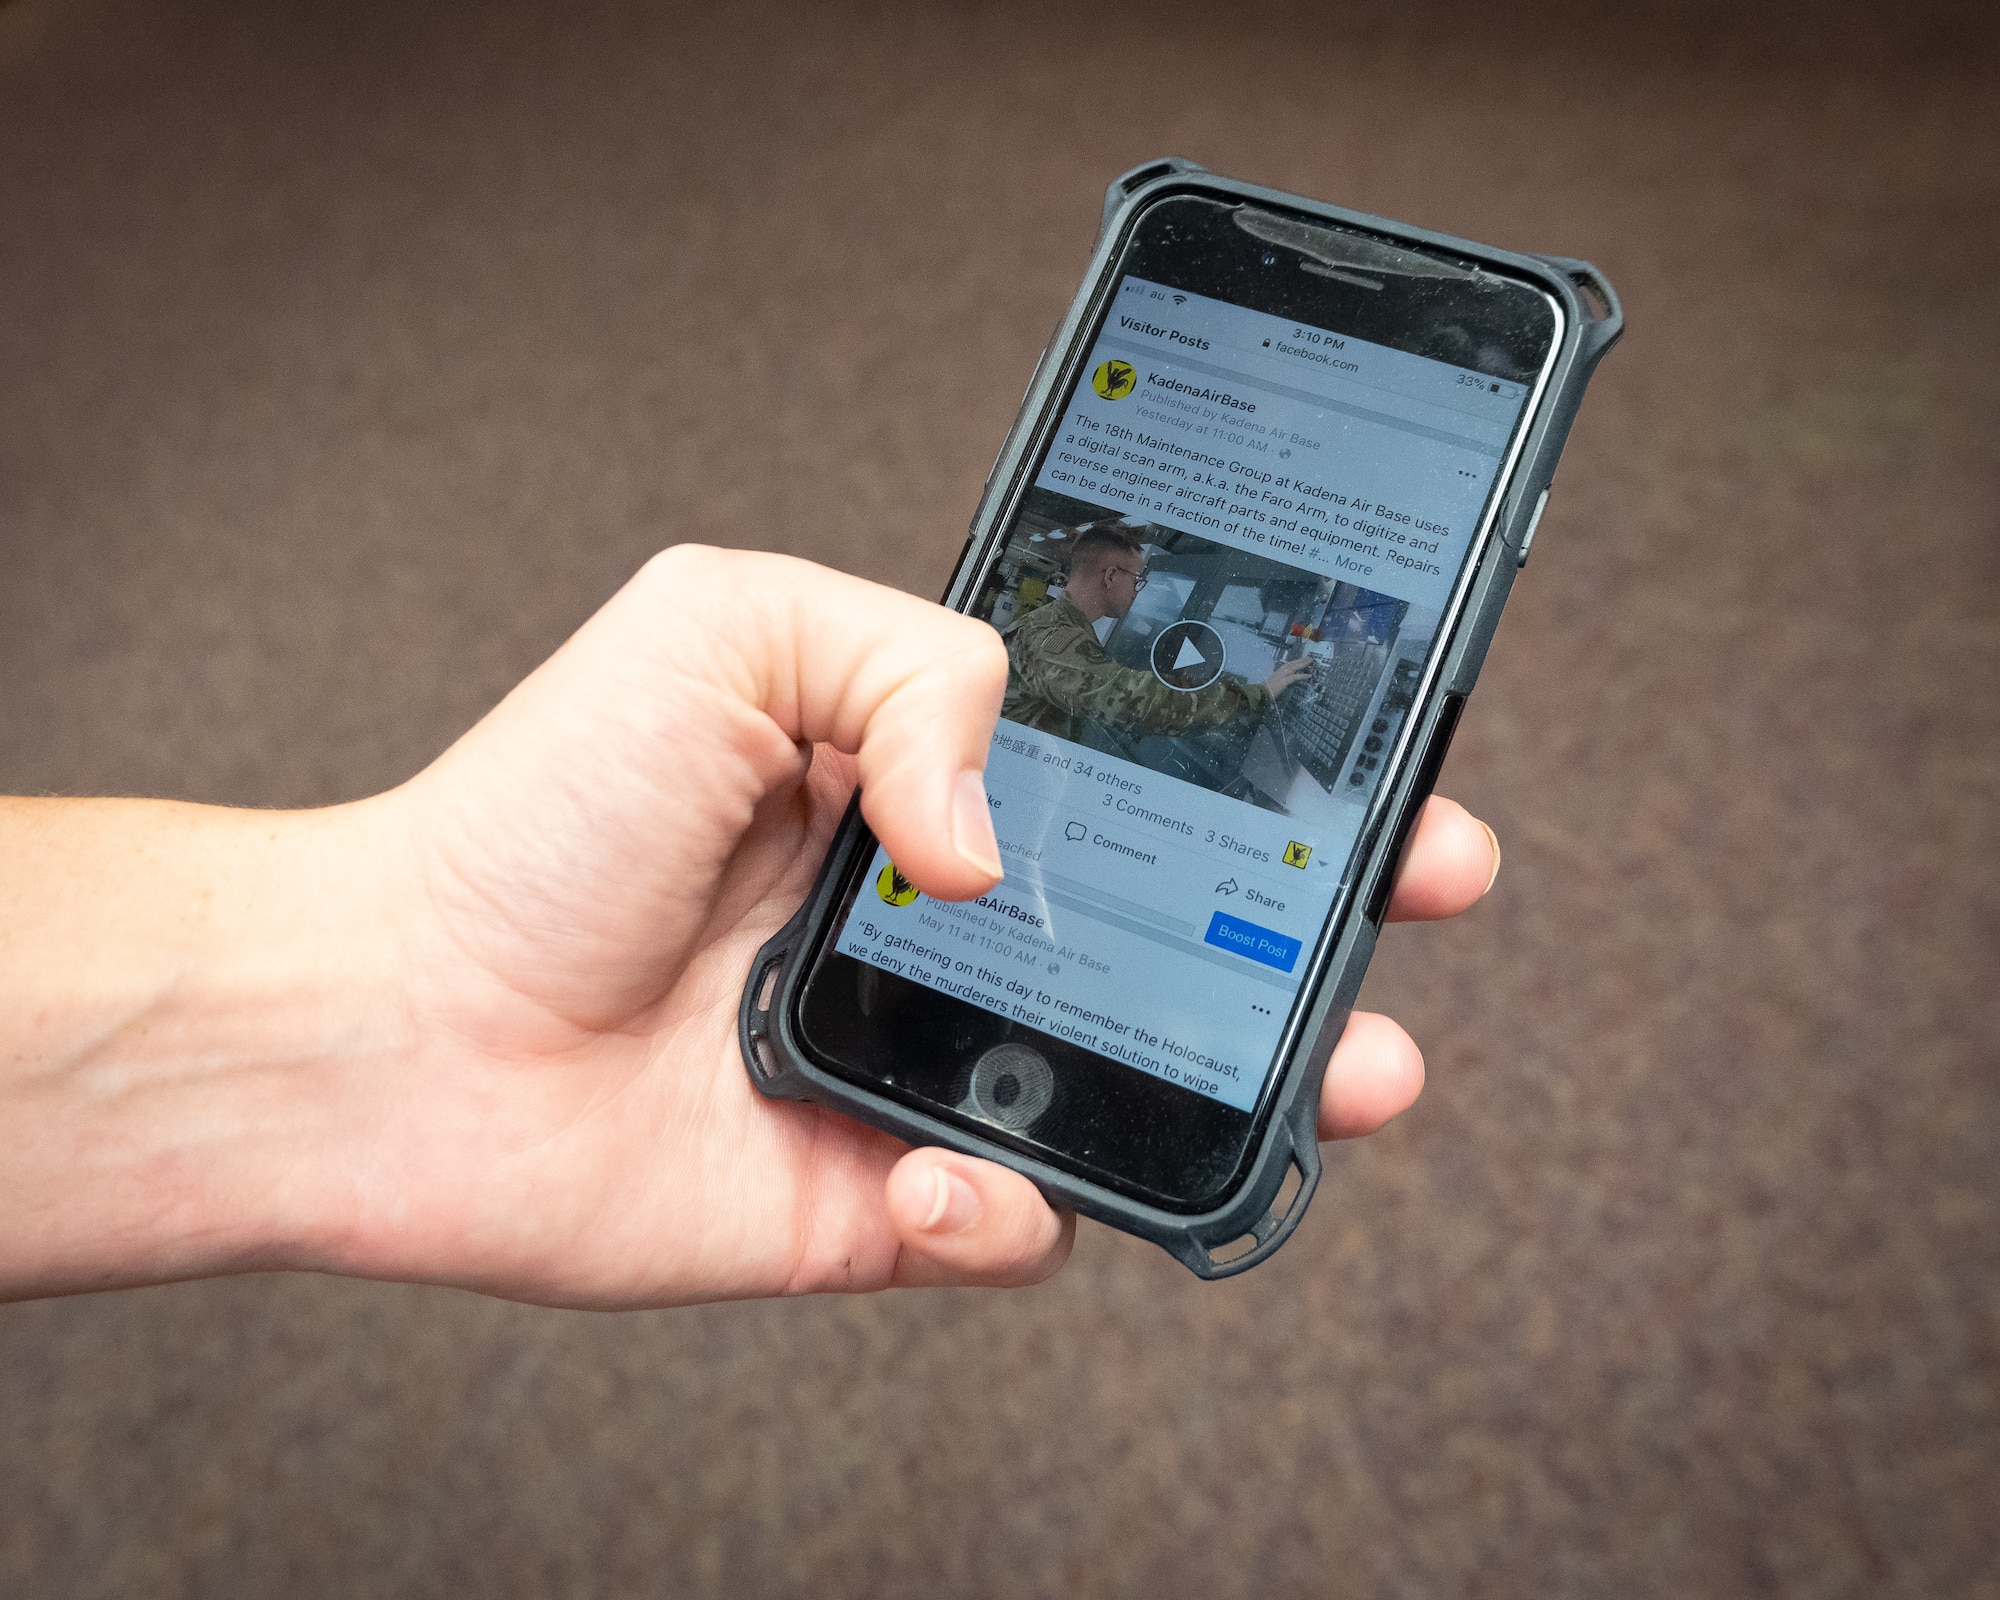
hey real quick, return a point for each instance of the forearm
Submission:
(180, 990)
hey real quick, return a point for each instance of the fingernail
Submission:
(955, 1204)
(1493, 839)
(972, 825)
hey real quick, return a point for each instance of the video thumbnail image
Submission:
(1247, 676)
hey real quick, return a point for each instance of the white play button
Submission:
(1187, 655)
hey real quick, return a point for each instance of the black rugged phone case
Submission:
(1267, 1204)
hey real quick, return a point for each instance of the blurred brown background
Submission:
(351, 354)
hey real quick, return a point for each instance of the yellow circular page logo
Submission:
(893, 887)
(1114, 380)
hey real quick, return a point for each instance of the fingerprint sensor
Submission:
(1011, 1086)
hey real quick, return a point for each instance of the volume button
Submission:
(1040, 361)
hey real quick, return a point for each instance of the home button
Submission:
(1011, 1086)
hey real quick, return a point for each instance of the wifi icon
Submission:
(1180, 299)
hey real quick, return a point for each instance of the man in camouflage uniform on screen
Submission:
(1059, 677)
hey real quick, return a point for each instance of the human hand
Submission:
(592, 869)
(1287, 674)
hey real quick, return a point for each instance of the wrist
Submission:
(194, 1008)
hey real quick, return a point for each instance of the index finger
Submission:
(1450, 861)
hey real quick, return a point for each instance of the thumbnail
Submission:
(1268, 683)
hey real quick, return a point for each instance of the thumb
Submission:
(910, 689)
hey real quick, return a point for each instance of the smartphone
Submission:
(1246, 544)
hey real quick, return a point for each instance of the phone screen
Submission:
(1219, 588)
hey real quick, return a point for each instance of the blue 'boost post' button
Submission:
(1247, 939)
